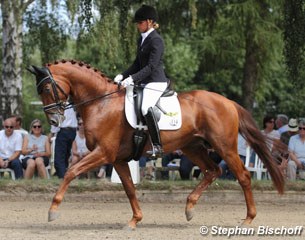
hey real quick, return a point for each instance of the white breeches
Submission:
(151, 94)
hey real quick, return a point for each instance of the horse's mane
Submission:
(81, 64)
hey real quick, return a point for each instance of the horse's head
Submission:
(52, 95)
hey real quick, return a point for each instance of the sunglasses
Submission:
(271, 121)
(302, 128)
(36, 126)
(80, 124)
(11, 127)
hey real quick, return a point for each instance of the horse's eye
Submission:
(47, 89)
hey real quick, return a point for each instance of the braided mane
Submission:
(81, 64)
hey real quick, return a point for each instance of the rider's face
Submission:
(143, 26)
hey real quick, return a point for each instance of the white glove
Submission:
(118, 78)
(127, 81)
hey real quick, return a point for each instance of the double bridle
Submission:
(58, 103)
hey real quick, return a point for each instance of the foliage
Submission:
(294, 34)
(205, 44)
(181, 70)
(45, 31)
(101, 49)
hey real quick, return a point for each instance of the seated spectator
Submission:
(146, 168)
(242, 151)
(105, 171)
(285, 137)
(185, 165)
(36, 149)
(292, 130)
(297, 152)
(18, 125)
(271, 134)
(10, 148)
(281, 123)
(79, 148)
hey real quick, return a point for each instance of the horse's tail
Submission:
(258, 142)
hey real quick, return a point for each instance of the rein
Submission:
(71, 105)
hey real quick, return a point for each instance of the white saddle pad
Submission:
(170, 121)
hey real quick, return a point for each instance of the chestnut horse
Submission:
(206, 118)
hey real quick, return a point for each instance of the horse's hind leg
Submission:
(124, 173)
(244, 178)
(210, 172)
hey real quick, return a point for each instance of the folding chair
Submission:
(8, 170)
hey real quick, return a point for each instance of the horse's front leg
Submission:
(92, 160)
(123, 170)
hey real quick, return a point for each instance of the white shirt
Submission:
(70, 121)
(81, 144)
(9, 145)
(298, 147)
(283, 129)
(144, 35)
(242, 145)
(273, 135)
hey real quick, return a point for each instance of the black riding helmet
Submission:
(146, 12)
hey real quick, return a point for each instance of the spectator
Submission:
(105, 171)
(65, 135)
(18, 127)
(79, 148)
(146, 168)
(292, 130)
(242, 151)
(269, 130)
(10, 148)
(185, 165)
(271, 134)
(297, 152)
(282, 123)
(36, 149)
(285, 137)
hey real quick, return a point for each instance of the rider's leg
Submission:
(151, 94)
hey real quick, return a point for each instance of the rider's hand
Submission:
(118, 78)
(127, 81)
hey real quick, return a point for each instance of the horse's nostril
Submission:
(52, 122)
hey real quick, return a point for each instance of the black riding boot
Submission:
(154, 133)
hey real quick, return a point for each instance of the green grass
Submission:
(93, 185)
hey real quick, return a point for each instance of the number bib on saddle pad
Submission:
(170, 120)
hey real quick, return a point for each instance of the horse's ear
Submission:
(32, 70)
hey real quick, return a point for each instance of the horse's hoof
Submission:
(189, 213)
(246, 222)
(53, 216)
(129, 228)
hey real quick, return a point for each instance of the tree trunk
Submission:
(11, 82)
(250, 69)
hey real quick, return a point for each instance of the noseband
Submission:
(58, 104)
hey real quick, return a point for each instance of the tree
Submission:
(45, 32)
(11, 82)
(294, 35)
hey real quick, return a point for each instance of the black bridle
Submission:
(58, 103)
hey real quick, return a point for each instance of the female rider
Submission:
(147, 70)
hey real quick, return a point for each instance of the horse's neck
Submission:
(85, 88)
